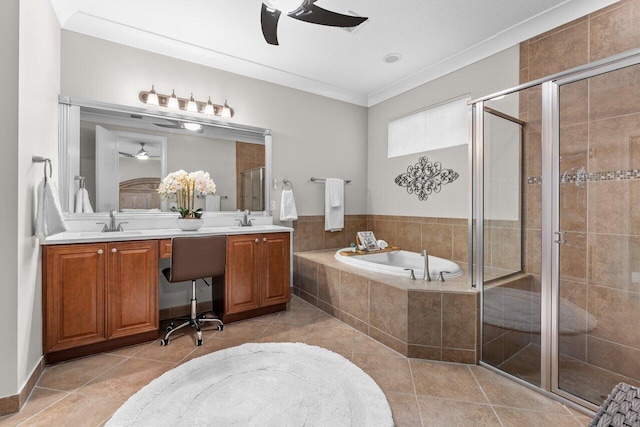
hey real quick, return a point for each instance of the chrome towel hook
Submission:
(38, 159)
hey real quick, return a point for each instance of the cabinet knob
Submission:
(264, 239)
(114, 250)
(256, 240)
(100, 251)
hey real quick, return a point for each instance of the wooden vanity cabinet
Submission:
(98, 296)
(257, 276)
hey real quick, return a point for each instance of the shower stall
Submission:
(556, 167)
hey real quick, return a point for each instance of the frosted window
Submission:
(443, 126)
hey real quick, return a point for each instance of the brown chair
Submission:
(195, 258)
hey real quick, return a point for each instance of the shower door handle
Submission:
(561, 238)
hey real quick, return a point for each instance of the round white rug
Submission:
(271, 384)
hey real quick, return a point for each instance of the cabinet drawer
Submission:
(165, 248)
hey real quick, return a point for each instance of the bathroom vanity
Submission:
(100, 290)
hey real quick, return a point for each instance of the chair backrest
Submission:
(197, 257)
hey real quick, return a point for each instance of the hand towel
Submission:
(49, 219)
(83, 204)
(86, 203)
(334, 204)
(288, 211)
(212, 203)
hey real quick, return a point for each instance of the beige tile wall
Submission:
(248, 156)
(600, 130)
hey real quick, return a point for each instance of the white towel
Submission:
(49, 219)
(212, 203)
(83, 204)
(288, 211)
(334, 204)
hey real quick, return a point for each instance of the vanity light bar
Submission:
(163, 101)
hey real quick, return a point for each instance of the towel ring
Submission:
(287, 182)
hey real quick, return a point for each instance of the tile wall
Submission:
(248, 156)
(600, 195)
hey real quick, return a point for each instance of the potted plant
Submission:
(183, 187)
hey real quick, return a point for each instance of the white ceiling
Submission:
(434, 37)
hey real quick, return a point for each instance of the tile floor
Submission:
(85, 392)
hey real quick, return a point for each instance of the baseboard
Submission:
(12, 404)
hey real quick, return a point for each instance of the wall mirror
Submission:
(115, 156)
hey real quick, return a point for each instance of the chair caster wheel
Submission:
(199, 342)
(164, 341)
(220, 327)
(169, 327)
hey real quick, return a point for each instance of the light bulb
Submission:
(192, 126)
(152, 97)
(284, 6)
(192, 107)
(226, 111)
(208, 109)
(173, 102)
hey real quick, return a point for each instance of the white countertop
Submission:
(160, 233)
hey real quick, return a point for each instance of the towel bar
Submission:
(313, 179)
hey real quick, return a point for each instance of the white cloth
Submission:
(212, 203)
(288, 211)
(49, 219)
(83, 204)
(334, 204)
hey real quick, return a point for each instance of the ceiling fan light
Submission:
(226, 111)
(192, 126)
(173, 101)
(192, 107)
(142, 154)
(152, 97)
(208, 109)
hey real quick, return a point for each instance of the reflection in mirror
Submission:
(123, 156)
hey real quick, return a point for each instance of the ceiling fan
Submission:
(305, 11)
(142, 154)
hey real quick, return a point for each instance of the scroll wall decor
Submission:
(425, 178)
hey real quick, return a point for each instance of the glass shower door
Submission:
(598, 240)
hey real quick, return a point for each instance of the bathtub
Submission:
(395, 262)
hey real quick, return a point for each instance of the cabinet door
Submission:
(132, 288)
(74, 296)
(241, 278)
(274, 286)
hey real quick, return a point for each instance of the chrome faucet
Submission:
(112, 223)
(426, 276)
(412, 276)
(245, 221)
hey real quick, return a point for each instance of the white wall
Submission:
(384, 197)
(312, 135)
(39, 83)
(9, 13)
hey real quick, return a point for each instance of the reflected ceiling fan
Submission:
(304, 10)
(142, 154)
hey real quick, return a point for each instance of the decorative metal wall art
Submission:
(425, 178)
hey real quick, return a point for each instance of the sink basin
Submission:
(95, 234)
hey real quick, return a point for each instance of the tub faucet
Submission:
(425, 275)
(412, 276)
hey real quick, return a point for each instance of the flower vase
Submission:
(189, 224)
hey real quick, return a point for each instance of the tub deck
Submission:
(429, 320)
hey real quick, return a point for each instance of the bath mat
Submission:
(269, 384)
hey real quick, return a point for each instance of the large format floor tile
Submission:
(87, 391)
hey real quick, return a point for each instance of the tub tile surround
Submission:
(427, 320)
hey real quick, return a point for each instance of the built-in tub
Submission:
(395, 263)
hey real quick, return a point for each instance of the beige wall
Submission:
(312, 135)
(495, 73)
(29, 36)
(9, 10)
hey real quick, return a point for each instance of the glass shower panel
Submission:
(599, 219)
(512, 244)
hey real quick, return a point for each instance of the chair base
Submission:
(194, 320)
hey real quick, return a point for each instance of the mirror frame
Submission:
(229, 131)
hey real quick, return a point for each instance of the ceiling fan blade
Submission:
(269, 18)
(309, 12)
(125, 154)
(168, 126)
